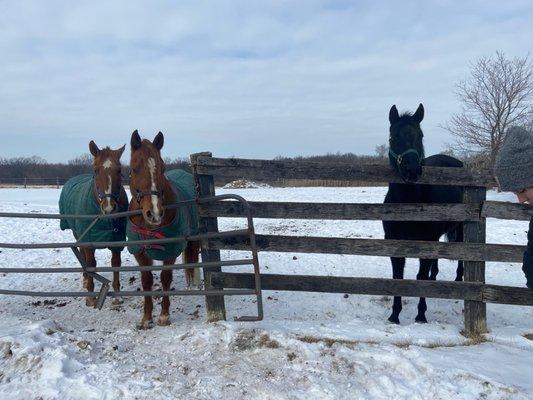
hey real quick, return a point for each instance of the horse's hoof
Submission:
(164, 320)
(421, 319)
(394, 320)
(145, 325)
(117, 301)
(90, 301)
(458, 279)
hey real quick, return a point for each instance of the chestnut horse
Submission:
(152, 190)
(100, 192)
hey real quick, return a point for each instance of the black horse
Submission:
(406, 156)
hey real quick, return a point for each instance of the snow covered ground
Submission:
(309, 346)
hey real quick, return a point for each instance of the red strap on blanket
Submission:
(147, 234)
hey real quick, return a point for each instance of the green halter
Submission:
(399, 157)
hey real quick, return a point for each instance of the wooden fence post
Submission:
(474, 271)
(205, 187)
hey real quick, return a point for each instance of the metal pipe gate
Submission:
(104, 289)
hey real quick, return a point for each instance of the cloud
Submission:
(252, 79)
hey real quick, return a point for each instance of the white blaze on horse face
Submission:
(108, 209)
(107, 164)
(155, 208)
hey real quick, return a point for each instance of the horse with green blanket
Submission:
(100, 192)
(152, 191)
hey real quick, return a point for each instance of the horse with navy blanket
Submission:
(152, 190)
(406, 156)
(100, 192)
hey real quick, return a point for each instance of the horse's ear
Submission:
(120, 151)
(93, 148)
(393, 114)
(159, 140)
(135, 140)
(418, 116)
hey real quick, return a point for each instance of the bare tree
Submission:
(82, 160)
(382, 150)
(498, 94)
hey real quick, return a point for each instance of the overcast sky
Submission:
(244, 78)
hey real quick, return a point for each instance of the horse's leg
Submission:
(398, 265)
(166, 280)
(423, 274)
(459, 237)
(88, 282)
(147, 281)
(191, 255)
(459, 276)
(115, 262)
(434, 271)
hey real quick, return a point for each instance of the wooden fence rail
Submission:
(472, 291)
(376, 247)
(371, 211)
(267, 170)
(472, 213)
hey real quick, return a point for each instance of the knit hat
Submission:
(514, 163)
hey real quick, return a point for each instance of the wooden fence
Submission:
(472, 212)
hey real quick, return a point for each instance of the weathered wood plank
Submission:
(507, 295)
(205, 187)
(369, 286)
(233, 168)
(379, 286)
(346, 211)
(503, 210)
(376, 247)
(474, 271)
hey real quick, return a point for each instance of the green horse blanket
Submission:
(185, 222)
(77, 197)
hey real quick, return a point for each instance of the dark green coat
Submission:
(77, 197)
(185, 222)
(528, 257)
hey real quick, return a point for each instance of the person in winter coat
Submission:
(514, 173)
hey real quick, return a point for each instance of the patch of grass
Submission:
(267, 341)
(476, 339)
(529, 336)
(247, 340)
(329, 342)
(402, 344)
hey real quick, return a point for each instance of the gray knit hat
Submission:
(514, 164)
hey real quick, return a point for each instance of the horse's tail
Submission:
(456, 235)
(191, 254)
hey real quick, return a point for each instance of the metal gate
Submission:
(104, 292)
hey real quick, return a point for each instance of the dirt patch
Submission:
(249, 340)
(49, 303)
(529, 336)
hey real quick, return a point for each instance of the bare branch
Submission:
(497, 94)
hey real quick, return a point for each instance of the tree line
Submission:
(497, 95)
(37, 170)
